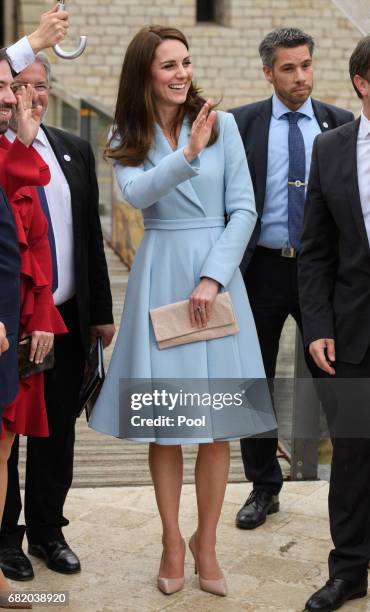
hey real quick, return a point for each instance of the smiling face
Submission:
(7, 97)
(291, 75)
(35, 75)
(171, 74)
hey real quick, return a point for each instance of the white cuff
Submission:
(20, 54)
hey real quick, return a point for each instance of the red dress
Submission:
(21, 167)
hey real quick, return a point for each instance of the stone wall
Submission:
(225, 57)
(29, 12)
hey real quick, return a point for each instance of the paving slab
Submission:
(117, 534)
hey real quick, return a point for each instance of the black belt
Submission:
(288, 252)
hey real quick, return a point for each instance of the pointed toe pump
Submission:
(216, 587)
(170, 585)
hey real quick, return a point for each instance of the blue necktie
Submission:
(46, 211)
(296, 180)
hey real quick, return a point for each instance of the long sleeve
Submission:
(20, 54)
(317, 262)
(142, 188)
(37, 307)
(21, 166)
(226, 255)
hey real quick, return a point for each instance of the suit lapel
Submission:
(348, 142)
(161, 148)
(258, 159)
(66, 157)
(322, 116)
(63, 155)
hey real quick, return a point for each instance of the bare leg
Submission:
(211, 473)
(5, 448)
(166, 464)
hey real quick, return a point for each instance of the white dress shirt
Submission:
(20, 54)
(59, 201)
(363, 169)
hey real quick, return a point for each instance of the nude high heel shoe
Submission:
(216, 587)
(171, 585)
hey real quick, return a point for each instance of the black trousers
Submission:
(346, 404)
(271, 283)
(49, 467)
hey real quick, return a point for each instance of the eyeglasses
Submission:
(40, 88)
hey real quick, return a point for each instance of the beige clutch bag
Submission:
(171, 323)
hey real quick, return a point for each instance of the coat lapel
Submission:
(348, 142)
(161, 148)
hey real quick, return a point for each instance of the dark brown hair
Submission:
(283, 38)
(4, 57)
(135, 109)
(359, 62)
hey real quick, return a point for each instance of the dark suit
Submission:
(334, 285)
(49, 468)
(271, 280)
(9, 301)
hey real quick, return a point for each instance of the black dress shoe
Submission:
(57, 555)
(258, 505)
(15, 564)
(335, 593)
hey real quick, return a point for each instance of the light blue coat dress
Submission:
(183, 206)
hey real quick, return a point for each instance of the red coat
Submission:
(21, 167)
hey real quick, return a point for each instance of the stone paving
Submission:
(116, 533)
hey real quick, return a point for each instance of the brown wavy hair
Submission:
(135, 113)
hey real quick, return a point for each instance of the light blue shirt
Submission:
(274, 223)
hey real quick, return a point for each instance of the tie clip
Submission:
(297, 183)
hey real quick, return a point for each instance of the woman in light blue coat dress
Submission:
(184, 166)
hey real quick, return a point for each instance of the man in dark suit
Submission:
(334, 286)
(82, 294)
(278, 134)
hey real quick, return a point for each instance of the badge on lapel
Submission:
(68, 157)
